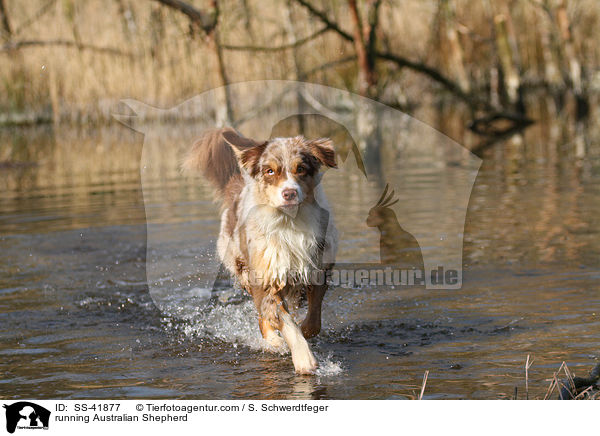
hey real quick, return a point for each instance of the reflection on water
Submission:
(77, 320)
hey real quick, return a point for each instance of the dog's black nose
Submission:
(289, 194)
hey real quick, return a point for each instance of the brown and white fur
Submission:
(276, 227)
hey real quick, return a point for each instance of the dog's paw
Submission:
(310, 329)
(305, 363)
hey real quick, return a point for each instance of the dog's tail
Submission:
(214, 158)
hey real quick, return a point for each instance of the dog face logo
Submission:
(26, 415)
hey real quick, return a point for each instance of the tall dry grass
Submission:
(163, 63)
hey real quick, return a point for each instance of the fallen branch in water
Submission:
(499, 123)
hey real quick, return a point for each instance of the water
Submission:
(77, 319)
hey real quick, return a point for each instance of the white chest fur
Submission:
(281, 246)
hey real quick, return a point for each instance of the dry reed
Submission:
(142, 50)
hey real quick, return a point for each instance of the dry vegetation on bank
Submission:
(72, 60)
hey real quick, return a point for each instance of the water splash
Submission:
(328, 367)
(228, 318)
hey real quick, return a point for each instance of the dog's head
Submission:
(285, 170)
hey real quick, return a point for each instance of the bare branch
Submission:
(15, 45)
(331, 64)
(451, 86)
(295, 44)
(40, 13)
(433, 74)
(323, 17)
(206, 21)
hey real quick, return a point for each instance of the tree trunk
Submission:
(367, 118)
(568, 46)
(298, 74)
(549, 66)
(510, 72)
(454, 56)
(127, 18)
(224, 109)
(367, 79)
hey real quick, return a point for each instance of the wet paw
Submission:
(305, 364)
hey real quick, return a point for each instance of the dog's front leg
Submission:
(267, 317)
(303, 359)
(269, 333)
(311, 326)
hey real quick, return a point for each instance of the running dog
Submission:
(277, 236)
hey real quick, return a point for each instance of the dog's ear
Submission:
(322, 149)
(247, 151)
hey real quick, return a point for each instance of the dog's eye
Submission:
(269, 172)
(300, 170)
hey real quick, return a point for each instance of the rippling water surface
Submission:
(77, 319)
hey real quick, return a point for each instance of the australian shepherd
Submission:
(277, 236)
